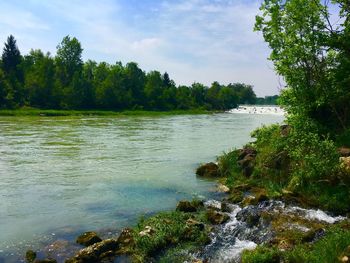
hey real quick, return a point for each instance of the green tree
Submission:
(312, 56)
(213, 95)
(69, 72)
(11, 66)
(199, 94)
(228, 98)
(135, 80)
(184, 99)
(154, 90)
(39, 79)
(11, 56)
(6, 92)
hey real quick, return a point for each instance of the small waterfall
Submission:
(250, 226)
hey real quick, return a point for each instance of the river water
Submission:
(60, 176)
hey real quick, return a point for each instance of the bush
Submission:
(261, 254)
(327, 249)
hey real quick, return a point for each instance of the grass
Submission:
(328, 249)
(171, 238)
(261, 254)
(48, 113)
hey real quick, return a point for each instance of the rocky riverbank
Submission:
(263, 217)
(247, 219)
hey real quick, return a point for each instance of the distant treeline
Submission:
(66, 82)
(267, 100)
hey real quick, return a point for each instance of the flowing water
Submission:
(247, 227)
(60, 176)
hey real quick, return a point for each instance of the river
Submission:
(60, 176)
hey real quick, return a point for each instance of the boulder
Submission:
(208, 170)
(225, 207)
(254, 196)
(88, 238)
(95, 252)
(246, 161)
(247, 150)
(186, 206)
(344, 151)
(345, 163)
(250, 216)
(30, 256)
(223, 188)
(126, 241)
(216, 217)
(148, 231)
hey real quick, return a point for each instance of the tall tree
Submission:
(69, 69)
(39, 79)
(312, 55)
(135, 80)
(11, 65)
(11, 56)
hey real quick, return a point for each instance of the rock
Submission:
(88, 239)
(242, 187)
(345, 256)
(126, 241)
(242, 153)
(285, 130)
(256, 195)
(95, 252)
(208, 170)
(58, 245)
(313, 235)
(30, 256)
(107, 254)
(223, 188)
(247, 162)
(345, 163)
(216, 217)
(250, 216)
(344, 151)
(344, 259)
(287, 192)
(191, 222)
(249, 200)
(185, 206)
(148, 231)
(225, 208)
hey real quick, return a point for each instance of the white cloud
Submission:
(193, 40)
(146, 44)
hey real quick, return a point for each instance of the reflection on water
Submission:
(88, 173)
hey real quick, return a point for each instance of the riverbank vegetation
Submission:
(65, 82)
(307, 160)
(27, 111)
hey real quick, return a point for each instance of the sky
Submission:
(193, 40)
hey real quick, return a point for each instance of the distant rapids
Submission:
(251, 109)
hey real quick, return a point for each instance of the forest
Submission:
(66, 82)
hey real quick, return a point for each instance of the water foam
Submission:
(273, 110)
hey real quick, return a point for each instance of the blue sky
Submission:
(193, 40)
